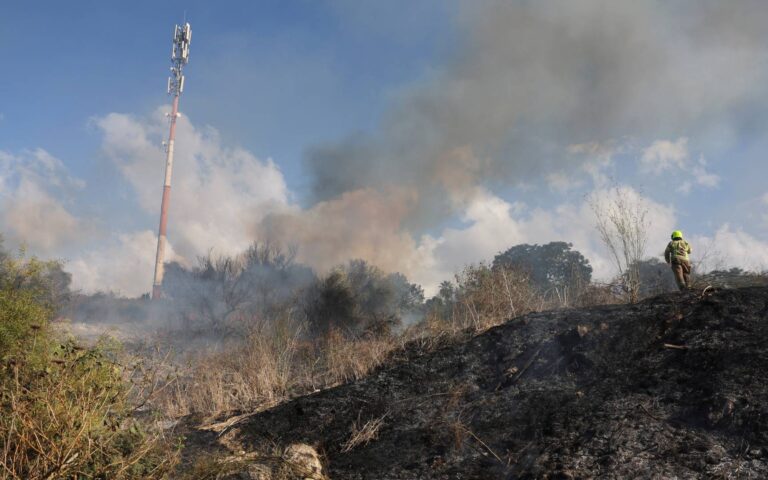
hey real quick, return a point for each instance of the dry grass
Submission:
(269, 366)
(276, 361)
(363, 433)
(491, 296)
(346, 360)
(260, 371)
(485, 297)
(74, 421)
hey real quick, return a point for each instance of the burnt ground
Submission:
(588, 393)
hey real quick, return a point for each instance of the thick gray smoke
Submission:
(535, 77)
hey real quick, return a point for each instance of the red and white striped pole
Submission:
(161, 234)
(179, 57)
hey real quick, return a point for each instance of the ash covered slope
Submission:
(565, 394)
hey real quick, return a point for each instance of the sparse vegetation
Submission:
(269, 366)
(622, 222)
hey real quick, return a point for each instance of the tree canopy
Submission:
(553, 265)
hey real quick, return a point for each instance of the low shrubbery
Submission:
(271, 364)
(288, 355)
(65, 410)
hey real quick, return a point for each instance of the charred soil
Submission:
(673, 387)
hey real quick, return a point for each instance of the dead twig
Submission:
(526, 366)
(362, 435)
(478, 440)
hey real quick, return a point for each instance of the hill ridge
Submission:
(673, 387)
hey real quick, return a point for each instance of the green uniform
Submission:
(676, 255)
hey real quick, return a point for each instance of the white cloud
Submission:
(218, 193)
(702, 176)
(224, 198)
(37, 219)
(685, 187)
(663, 155)
(218, 196)
(730, 247)
(667, 157)
(33, 189)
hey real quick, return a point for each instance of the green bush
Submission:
(24, 313)
(65, 410)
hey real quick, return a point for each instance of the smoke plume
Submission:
(536, 90)
(536, 77)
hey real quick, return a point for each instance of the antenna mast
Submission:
(182, 36)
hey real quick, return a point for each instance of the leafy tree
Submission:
(550, 266)
(409, 296)
(359, 298)
(447, 292)
(442, 304)
(256, 283)
(330, 304)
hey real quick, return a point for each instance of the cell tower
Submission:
(182, 36)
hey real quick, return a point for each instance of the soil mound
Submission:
(673, 387)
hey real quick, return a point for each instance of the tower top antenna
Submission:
(182, 37)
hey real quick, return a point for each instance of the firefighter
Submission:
(676, 255)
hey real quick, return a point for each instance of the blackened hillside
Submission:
(674, 387)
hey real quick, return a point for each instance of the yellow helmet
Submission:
(677, 234)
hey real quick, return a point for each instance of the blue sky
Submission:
(418, 135)
(272, 76)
